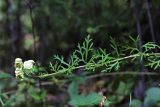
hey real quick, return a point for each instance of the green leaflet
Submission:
(81, 100)
(152, 97)
(89, 100)
(4, 75)
(136, 103)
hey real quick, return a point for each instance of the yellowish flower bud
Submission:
(18, 68)
(28, 64)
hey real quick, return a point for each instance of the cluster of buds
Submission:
(19, 66)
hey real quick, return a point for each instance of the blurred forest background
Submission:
(38, 29)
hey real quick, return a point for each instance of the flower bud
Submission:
(18, 68)
(28, 64)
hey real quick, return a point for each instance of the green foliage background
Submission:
(48, 31)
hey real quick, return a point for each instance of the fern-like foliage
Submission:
(90, 59)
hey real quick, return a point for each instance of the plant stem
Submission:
(98, 65)
(1, 102)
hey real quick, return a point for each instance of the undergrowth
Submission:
(90, 59)
(87, 60)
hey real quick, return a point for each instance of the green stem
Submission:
(98, 65)
(2, 103)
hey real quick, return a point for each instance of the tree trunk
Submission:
(140, 88)
(15, 27)
(148, 4)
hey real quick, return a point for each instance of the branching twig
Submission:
(97, 65)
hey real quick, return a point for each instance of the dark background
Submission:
(57, 26)
(38, 29)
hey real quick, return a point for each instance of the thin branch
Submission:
(107, 74)
(10, 92)
(97, 65)
(123, 73)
